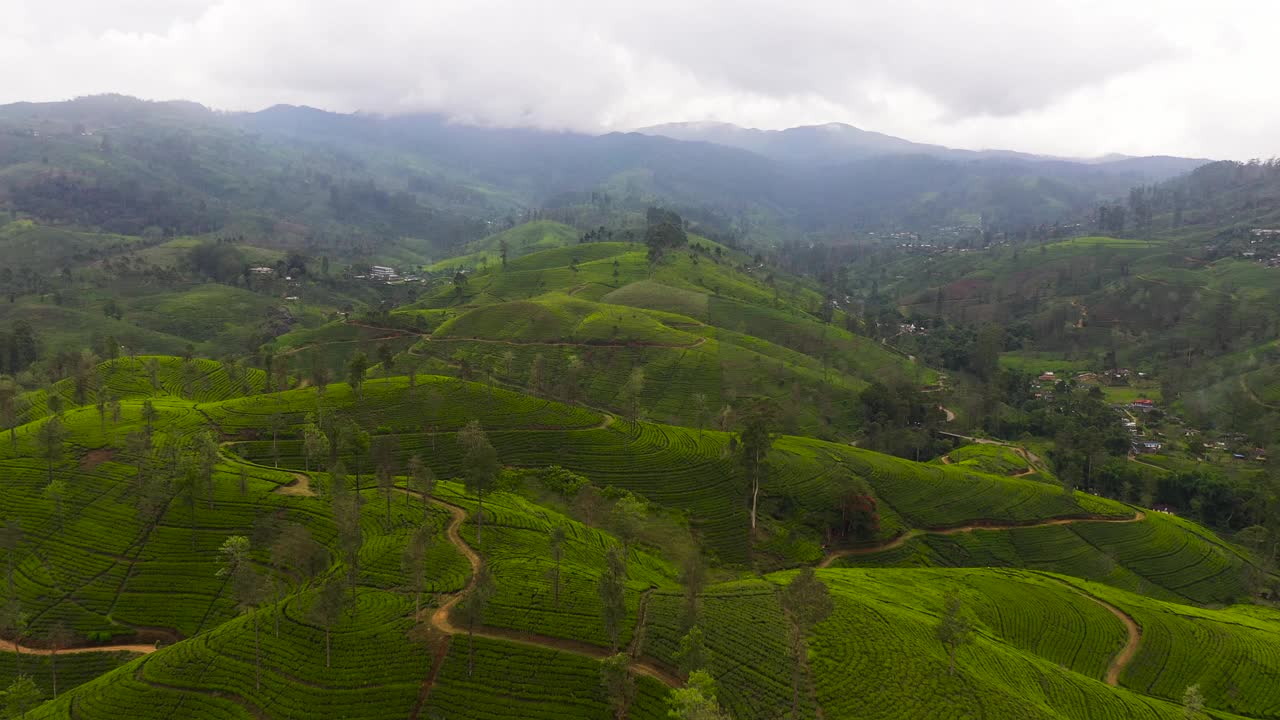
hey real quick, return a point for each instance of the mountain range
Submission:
(834, 143)
(423, 175)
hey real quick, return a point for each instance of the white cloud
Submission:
(1081, 77)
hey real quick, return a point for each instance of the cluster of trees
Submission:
(22, 281)
(664, 232)
(19, 347)
(396, 214)
(1211, 194)
(125, 205)
(899, 418)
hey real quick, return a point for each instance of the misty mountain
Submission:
(838, 143)
(125, 165)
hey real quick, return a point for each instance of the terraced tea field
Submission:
(1043, 645)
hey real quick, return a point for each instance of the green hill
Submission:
(520, 240)
(1052, 657)
(699, 323)
(103, 553)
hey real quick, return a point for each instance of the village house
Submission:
(382, 272)
(1147, 447)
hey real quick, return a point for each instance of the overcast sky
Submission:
(1070, 78)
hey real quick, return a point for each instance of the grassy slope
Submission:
(106, 572)
(521, 240)
(46, 249)
(727, 333)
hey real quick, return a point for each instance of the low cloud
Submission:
(1070, 78)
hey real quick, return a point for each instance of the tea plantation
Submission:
(118, 523)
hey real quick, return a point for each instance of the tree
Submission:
(320, 381)
(9, 392)
(953, 628)
(246, 587)
(508, 363)
(588, 504)
(414, 563)
(569, 383)
(1192, 703)
(206, 452)
(459, 284)
(138, 447)
(476, 600)
(859, 517)
(384, 457)
(149, 416)
(538, 374)
(626, 518)
(664, 232)
(56, 490)
(423, 482)
(557, 554)
(277, 423)
(54, 402)
(16, 623)
(152, 367)
(314, 446)
(696, 700)
(60, 636)
(11, 539)
(113, 409)
(387, 359)
(411, 364)
(755, 440)
(357, 367)
(22, 695)
(700, 411)
(619, 685)
(100, 402)
(480, 465)
(296, 547)
(326, 610)
(268, 370)
(692, 654)
(357, 441)
(693, 573)
(807, 602)
(631, 392)
(502, 251)
(346, 515)
(613, 598)
(49, 438)
(188, 482)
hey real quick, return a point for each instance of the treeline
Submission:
(395, 214)
(1213, 194)
(117, 205)
(19, 347)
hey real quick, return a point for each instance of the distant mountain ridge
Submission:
(834, 143)
(124, 165)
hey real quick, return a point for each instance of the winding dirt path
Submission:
(900, 540)
(10, 646)
(1133, 632)
(442, 623)
(1244, 385)
(540, 343)
(1030, 457)
(301, 485)
(1130, 649)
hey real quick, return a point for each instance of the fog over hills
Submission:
(837, 142)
